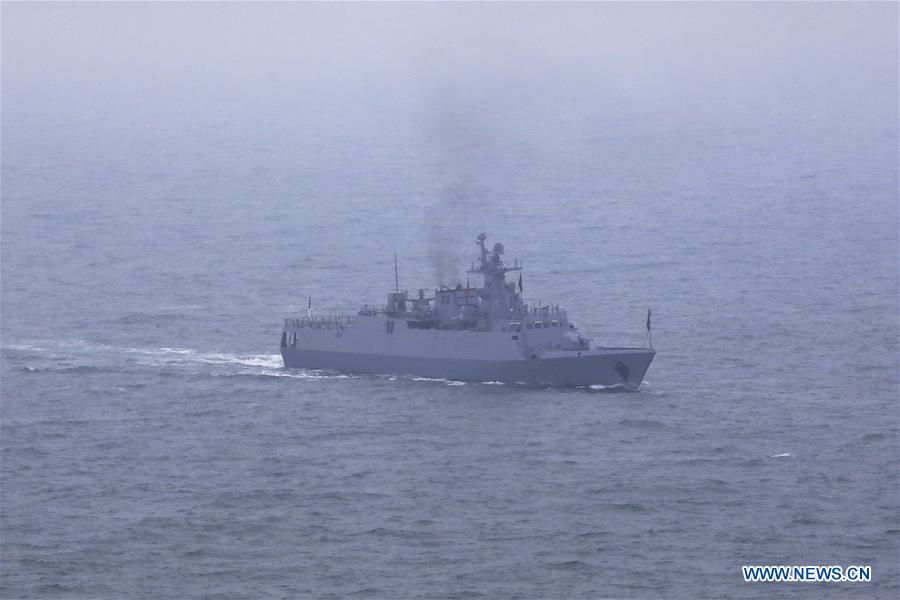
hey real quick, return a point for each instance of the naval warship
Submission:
(484, 334)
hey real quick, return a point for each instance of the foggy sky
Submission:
(814, 58)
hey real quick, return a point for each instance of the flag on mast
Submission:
(648, 319)
(309, 306)
(520, 282)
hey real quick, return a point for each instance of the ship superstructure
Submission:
(466, 333)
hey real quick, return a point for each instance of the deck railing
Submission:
(320, 322)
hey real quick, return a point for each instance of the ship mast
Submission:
(396, 276)
(501, 302)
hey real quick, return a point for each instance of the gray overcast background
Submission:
(691, 62)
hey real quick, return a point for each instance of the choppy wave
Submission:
(141, 318)
(431, 379)
(616, 387)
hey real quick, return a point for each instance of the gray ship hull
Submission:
(624, 367)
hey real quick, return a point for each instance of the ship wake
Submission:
(85, 356)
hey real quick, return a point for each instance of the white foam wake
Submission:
(52, 354)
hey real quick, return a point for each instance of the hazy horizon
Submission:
(480, 88)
